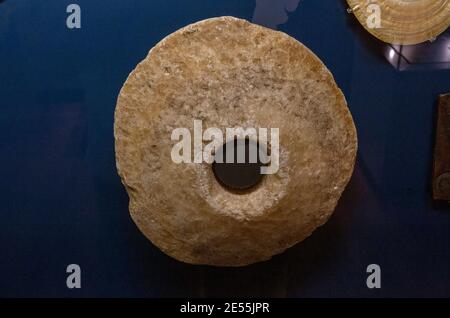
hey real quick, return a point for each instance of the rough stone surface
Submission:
(231, 73)
(405, 21)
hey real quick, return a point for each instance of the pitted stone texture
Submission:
(231, 73)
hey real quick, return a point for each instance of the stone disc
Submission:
(229, 73)
(404, 22)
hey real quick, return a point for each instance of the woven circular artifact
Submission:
(230, 73)
(403, 21)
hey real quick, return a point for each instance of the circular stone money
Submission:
(227, 73)
(403, 22)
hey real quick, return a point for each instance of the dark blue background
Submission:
(62, 202)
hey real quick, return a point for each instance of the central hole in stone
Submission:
(239, 175)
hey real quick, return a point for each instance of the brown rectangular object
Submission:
(441, 169)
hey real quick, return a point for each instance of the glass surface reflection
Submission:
(428, 55)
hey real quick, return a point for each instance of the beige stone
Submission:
(231, 73)
(404, 22)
